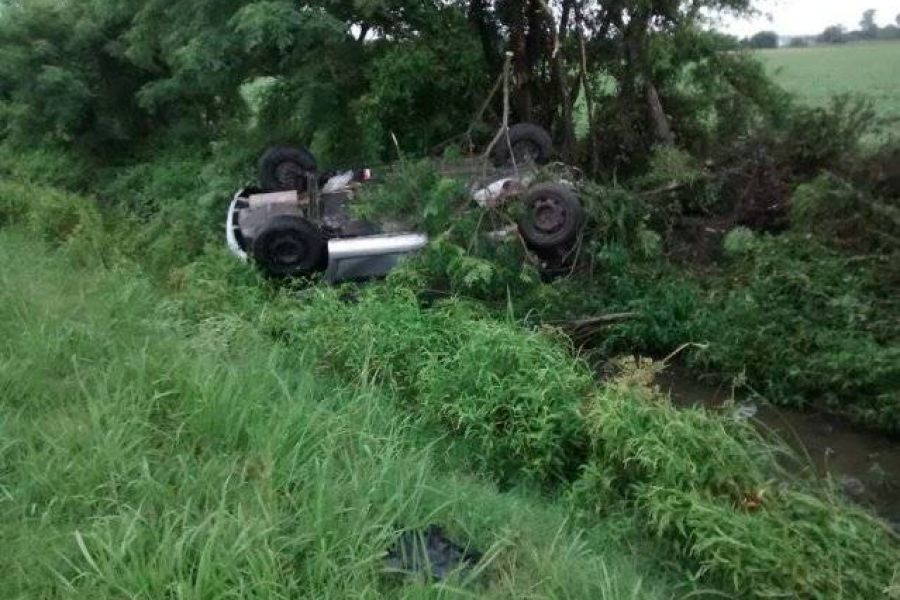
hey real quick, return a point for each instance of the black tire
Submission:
(530, 143)
(284, 168)
(289, 246)
(553, 217)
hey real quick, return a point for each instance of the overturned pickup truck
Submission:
(299, 221)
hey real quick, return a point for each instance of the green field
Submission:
(820, 72)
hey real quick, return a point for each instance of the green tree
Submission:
(833, 35)
(62, 77)
(344, 74)
(764, 40)
(867, 25)
(105, 70)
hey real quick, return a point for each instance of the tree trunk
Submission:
(478, 17)
(559, 107)
(520, 63)
(638, 77)
(534, 49)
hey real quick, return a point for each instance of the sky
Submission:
(807, 17)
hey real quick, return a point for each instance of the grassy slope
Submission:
(147, 453)
(818, 73)
(165, 435)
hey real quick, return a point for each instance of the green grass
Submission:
(820, 72)
(713, 487)
(177, 427)
(147, 451)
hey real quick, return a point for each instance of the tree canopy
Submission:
(833, 35)
(867, 25)
(764, 39)
(343, 75)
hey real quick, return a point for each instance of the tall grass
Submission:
(512, 396)
(155, 446)
(709, 487)
(165, 434)
(713, 487)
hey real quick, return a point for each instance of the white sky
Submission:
(807, 17)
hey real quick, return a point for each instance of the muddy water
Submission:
(865, 465)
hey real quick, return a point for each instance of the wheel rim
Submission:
(288, 251)
(549, 215)
(526, 152)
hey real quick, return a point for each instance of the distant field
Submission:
(820, 72)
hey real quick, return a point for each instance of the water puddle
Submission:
(865, 464)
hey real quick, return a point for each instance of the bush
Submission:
(801, 324)
(416, 194)
(839, 213)
(706, 484)
(52, 215)
(461, 258)
(47, 166)
(818, 138)
(787, 316)
(739, 241)
(513, 396)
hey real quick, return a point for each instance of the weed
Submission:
(513, 397)
(708, 484)
(156, 445)
(842, 215)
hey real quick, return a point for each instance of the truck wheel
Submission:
(553, 217)
(285, 168)
(288, 246)
(530, 143)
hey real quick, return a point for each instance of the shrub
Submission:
(817, 138)
(801, 324)
(513, 395)
(739, 241)
(144, 188)
(46, 166)
(791, 318)
(675, 184)
(48, 213)
(416, 194)
(839, 213)
(615, 215)
(706, 484)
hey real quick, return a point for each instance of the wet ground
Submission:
(865, 464)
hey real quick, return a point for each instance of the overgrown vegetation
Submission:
(173, 424)
(191, 422)
(162, 444)
(795, 299)
(709, 485)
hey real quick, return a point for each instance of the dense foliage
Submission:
(178, 438)
(177, 425)
(708, 485)
(343, 76)
(159, 443)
